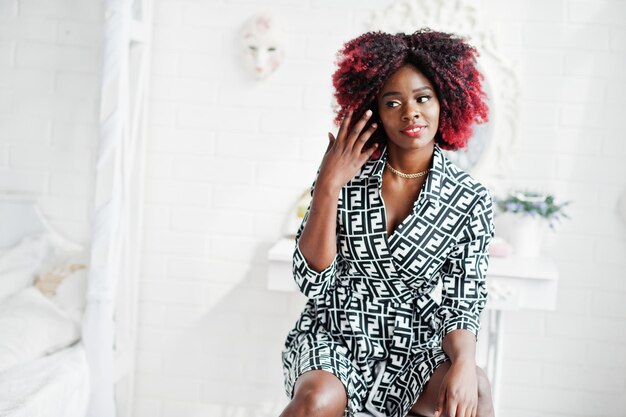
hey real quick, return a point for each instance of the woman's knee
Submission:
(318, 394)
(485, 402)
(484, 387)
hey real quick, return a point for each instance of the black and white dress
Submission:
(372, 318)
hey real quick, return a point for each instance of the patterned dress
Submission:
(372, 318)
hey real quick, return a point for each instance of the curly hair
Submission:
(366, 62)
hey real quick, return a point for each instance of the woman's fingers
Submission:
(367, 154)
(440, 402)
(470, 411)
(452, 409)
(345, 151)
(464, 408)
(331, 141)
(359, 144)
(341, 135)
(358, 127)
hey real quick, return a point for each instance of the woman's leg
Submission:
(317, 394)
(427, 401)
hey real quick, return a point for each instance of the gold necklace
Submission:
(403, 175)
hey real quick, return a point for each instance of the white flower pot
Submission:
(525, 233)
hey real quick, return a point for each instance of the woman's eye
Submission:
(423, 99)
(392, 104)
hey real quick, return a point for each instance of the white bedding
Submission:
(56, 385)
(32, 326)
(43, 366)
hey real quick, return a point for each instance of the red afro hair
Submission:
(365, 63)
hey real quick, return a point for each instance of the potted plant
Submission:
(527, 214)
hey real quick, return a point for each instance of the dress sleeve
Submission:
(311, 283)
(464, 291)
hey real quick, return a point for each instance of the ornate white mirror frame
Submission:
(488, 157)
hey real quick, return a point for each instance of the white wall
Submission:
(572, 57)
(49, 87)
(227, 159)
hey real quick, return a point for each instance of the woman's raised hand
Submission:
(345, 154)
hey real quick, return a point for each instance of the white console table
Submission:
(513, 283)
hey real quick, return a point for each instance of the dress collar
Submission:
(432, 187)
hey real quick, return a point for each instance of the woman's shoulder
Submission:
(463, 180)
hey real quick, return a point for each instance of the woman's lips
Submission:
(414, 131)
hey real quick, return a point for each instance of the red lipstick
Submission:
(413, 131)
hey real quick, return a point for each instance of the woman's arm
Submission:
(464, 291)
(463, 298)
(460, 346)
(343, 158)
(316, 241)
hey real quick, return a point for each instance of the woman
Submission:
(390, 218)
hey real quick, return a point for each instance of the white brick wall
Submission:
(49, 87)
(228, 157)
(566, 363)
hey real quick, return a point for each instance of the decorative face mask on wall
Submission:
(262, 45)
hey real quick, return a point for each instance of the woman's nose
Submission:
(410, 113)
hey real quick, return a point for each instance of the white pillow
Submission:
(19, 263)
(62, 277)
(31, 326)
(71, 293)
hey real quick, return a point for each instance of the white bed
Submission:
(109, 322)
(43, 366)
(54, 385)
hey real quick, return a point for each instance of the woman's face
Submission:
(408, 109)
